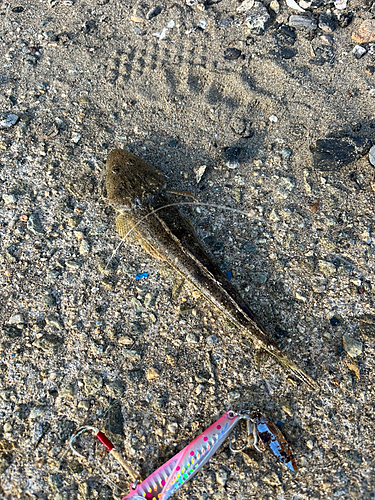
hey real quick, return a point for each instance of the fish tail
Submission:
(295, 370)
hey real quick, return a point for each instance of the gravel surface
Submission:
(268, 110)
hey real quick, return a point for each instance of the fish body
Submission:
(137, 191)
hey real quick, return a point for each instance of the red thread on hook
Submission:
(105, 441)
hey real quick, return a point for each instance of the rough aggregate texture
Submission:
(78, 79)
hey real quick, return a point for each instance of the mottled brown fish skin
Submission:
(136, 189)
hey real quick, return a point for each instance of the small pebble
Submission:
(155, 11)
(371, 156)
(172, 428)
(294, 5)
(300, 297)
(37, 411)
(131, 355)
(257, 18)
(137, 16)
(286, 153)
(327, 39)
(126, 340)
(84, 405)
(202, 24)
(353, 366)
(275, 6)
(9, 199)
(7, 427)
(221, 477)
(116, 388)
(16, 319)
(84, 247)
(334, 321)
(343, 19)
(359, 51)
(76, 137)
(212, 340)
(352, 346)
(48, 343)
(152, 374)
(225, 23)
(232, 53)
(327, 268)
(8, 395)
(273, 119)
(34, 224)
(245, 6)
(285, 406)
(354, 457)
(259, 278)
(54, 321)
(233, 396)
(73, 265)
(79, 235)
(333, 153)
(73, 221)
(340, 4)
(10, 120)
(273, 216)
(199, 172)
(149, 300)
(93, 383)
(67, 392)
(191, 338)
(365, 33)
(137, 305)
(298, 21)
(272, 479)
(326, 23)
(231, 156)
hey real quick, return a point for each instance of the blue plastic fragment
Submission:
(229, 275)
(140, 276)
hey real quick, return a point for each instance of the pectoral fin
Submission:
(126, 228)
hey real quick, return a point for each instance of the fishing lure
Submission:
(168, 478)
(274, 439)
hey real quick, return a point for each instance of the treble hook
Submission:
(251, 431)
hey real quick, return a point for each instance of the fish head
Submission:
(132, 182)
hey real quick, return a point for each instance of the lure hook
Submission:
(251, 431)
(109, 446)
(80, 431)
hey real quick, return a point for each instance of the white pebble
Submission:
(371, 156)
(172, 428)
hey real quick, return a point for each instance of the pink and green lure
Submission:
(166, 480)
